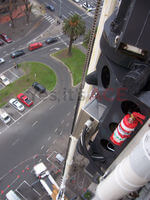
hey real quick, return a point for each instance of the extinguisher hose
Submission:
(83, 150)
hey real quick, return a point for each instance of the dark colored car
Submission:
(5, 38)
(1, 42)
(39, 87)
(50, 7)
(17, 53)
(51, 40)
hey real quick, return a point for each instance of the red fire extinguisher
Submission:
(126, 127)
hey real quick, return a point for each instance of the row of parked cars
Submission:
(20, 102)
(4, 37)
(16, 103)
(86, 5)
(31, 47)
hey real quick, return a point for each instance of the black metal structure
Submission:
(122, 76)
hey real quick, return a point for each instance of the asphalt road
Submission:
(30, 135)
(28, 139)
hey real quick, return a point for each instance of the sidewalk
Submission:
(21, 28)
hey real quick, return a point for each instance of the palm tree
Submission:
(74, 26)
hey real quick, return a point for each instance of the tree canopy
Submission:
(73, 27)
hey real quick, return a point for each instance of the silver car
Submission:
(2, 60)
(16, 104)
(4, 80)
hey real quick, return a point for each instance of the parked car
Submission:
(77, 1)
(50, 7)
(39, 87)
(35, 46)
(16, 104)
(1, 42)
(4, 116)
(11, 195)
(87, 6)
(51, 40)
(5, 38)
(2, 60)
(17, 53)
(4, 80)
(24, 99)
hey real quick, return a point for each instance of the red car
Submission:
(24, 99)
(5, 38)
(35, 46)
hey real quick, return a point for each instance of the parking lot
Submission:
(23, 181)
(13, 74)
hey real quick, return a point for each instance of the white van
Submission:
(11, 195)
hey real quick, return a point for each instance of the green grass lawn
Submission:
(75, 63)
(33, 72)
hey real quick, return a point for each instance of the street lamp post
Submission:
(60, 8)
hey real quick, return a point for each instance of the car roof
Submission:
(52, 38)
(19, 51)
(35, 83)
(50, 6)
(34, 44)
(21, 94)
(2, 76)
(12, 100)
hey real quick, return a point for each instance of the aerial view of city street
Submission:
(74, 100)
(38, 94)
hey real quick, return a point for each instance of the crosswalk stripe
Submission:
(49, 18)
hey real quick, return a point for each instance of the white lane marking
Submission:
(47, 150)
(42, 147)
(60, 133)
(34, 123)
(14, 74)
(64, 42)
(35, 156)
(12, 118)
(56, 130)
(15, 142)
(64, 16)
(49, 138)
(20, 194)
(51, 107)
(68, 113)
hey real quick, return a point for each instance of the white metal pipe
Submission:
(132, 173)
(69, 160)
